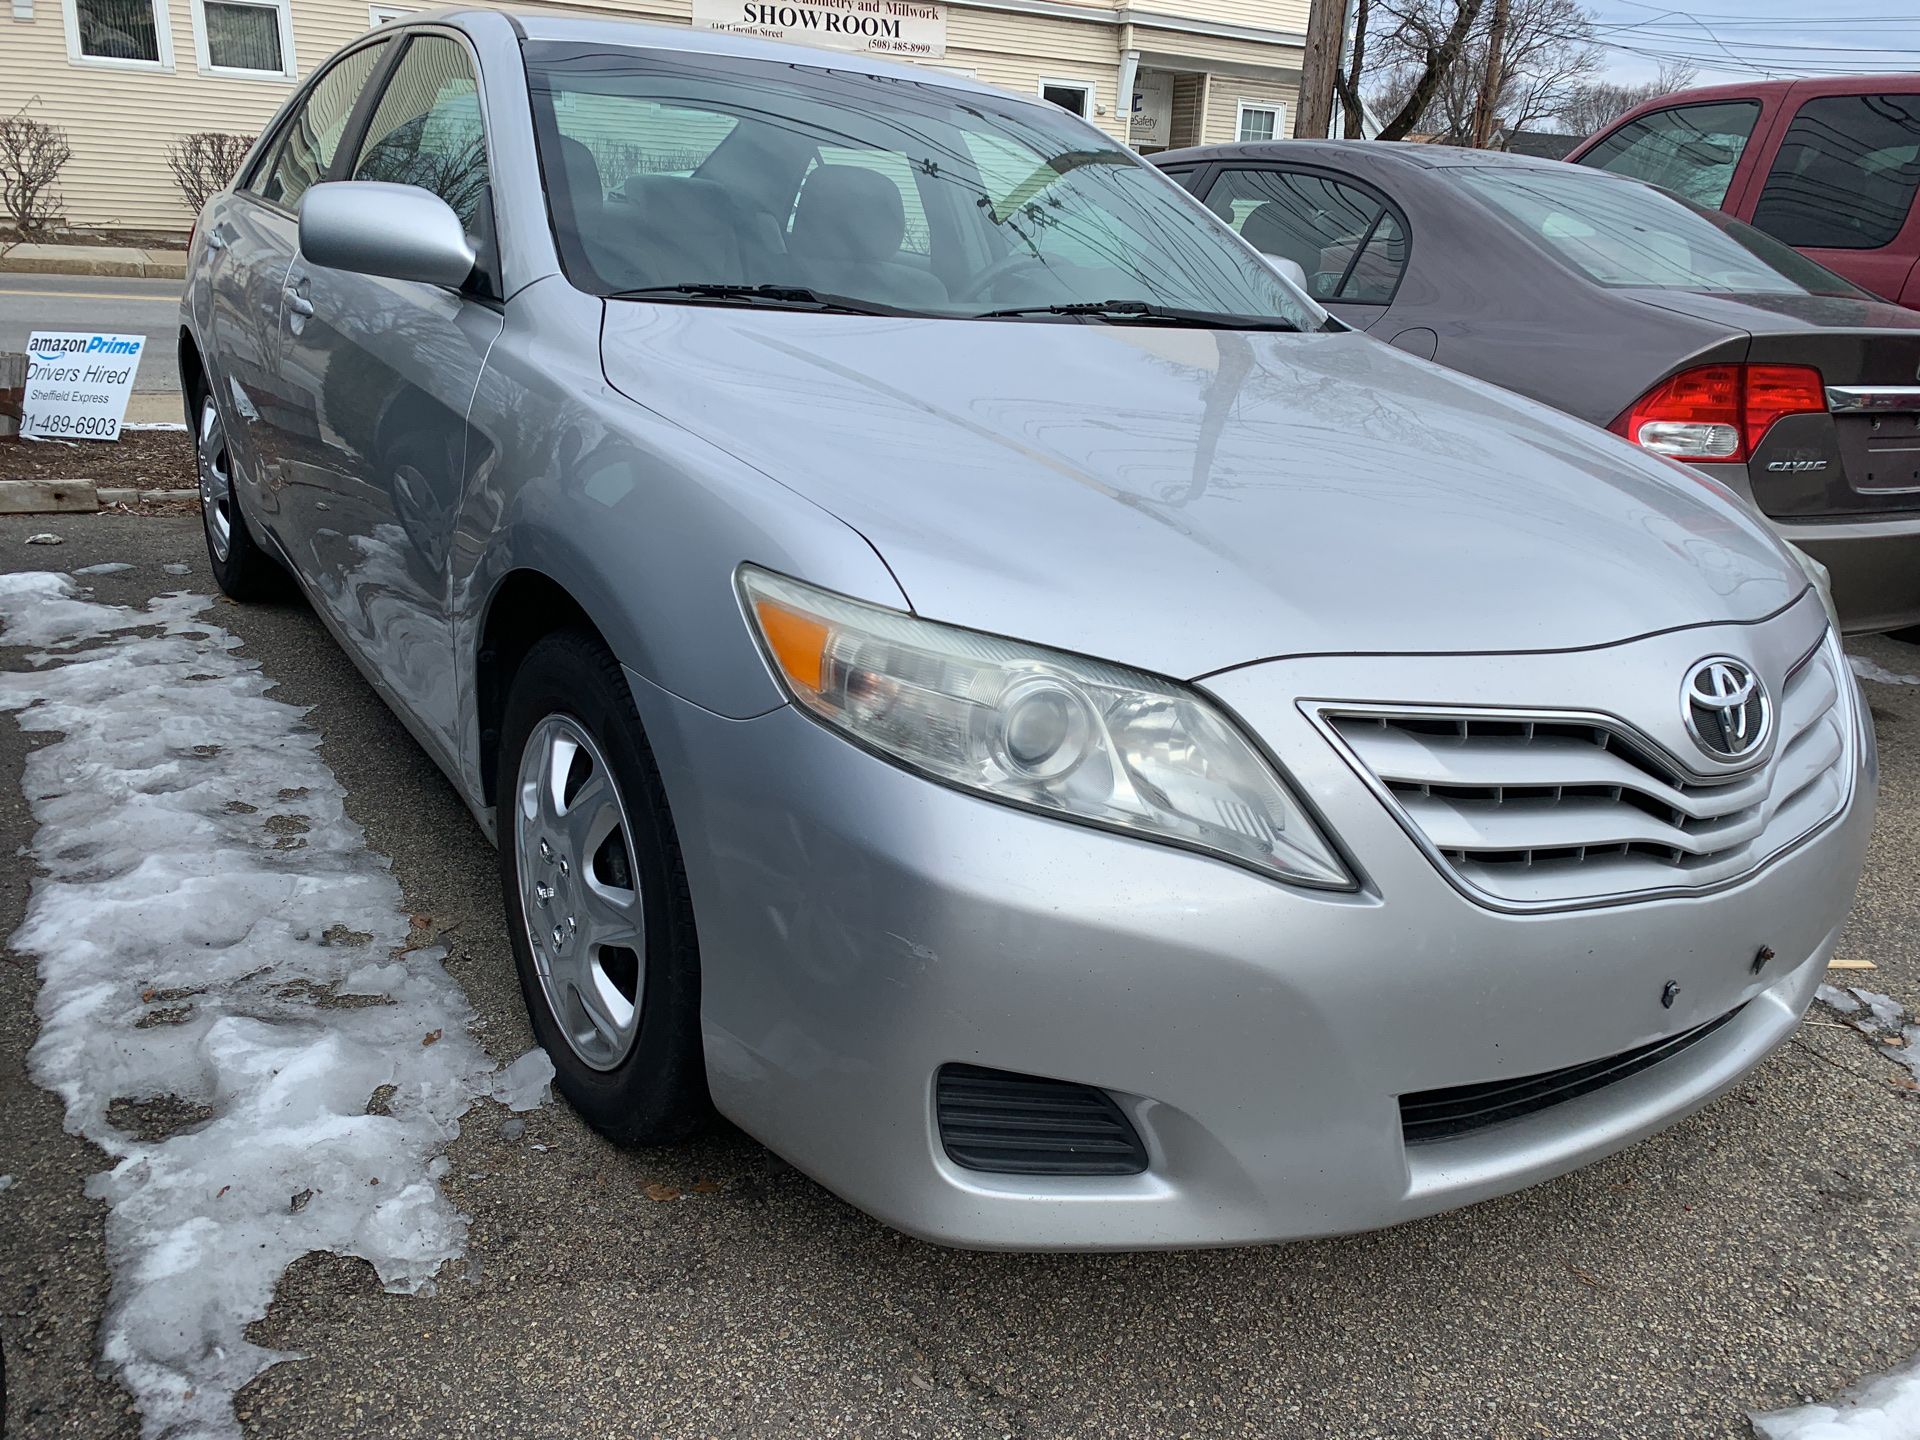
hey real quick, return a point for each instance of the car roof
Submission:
(587, 30)
(1346, 154)
(1773, 89)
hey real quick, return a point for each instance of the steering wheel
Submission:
(1006, 265)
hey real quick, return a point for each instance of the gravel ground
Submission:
(138, 460)
(1762, 1251)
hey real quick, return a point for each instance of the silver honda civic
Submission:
(976, 678)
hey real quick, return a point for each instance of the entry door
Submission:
(384, 373)
(1347, 240)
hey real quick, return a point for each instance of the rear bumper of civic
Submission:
(861, 926)
(1874, 560)
(1875, 566)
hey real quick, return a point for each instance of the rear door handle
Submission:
(297, 302)
(216, 241)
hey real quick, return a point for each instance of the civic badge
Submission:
(1726, 706)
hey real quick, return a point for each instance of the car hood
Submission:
(1773, 314)
(1189, 500)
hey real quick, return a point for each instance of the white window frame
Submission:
(1086, 87)
(378, 15)
(283, 12)
(163, 38)
(1276, 108)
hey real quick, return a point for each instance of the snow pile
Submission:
(229, 1004)
(1887, 1408)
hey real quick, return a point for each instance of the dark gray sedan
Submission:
(1687, 331)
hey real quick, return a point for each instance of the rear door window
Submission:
(1350, 243)
(310, 138)
(1846, 173)
(1691, 150)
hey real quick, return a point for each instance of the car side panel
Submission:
(640, 522)
(250, 245)
(380, 376)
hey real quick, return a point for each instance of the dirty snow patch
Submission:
(6, 1182)
(523, 1084)
(216, 942)
(1884, 1408)
(1873, 670)
(106, 567)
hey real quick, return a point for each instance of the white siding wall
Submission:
(1223, 105)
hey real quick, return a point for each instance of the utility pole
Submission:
(1484, 117)
(1326, 24)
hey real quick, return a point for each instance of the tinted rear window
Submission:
(1619, 233)
(1846, 173)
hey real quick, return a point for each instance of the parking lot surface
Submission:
(1758, 1253)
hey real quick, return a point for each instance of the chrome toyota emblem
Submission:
(1726, 708)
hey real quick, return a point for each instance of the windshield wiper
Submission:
(1144, 310)
(789, 297)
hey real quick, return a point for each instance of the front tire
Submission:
(243, 570)
(597, 903)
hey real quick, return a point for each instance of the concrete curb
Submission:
(88, 265)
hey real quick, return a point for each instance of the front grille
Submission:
(1026, 1125)
(1462, 1109)
(1546, 809)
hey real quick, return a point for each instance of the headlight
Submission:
(1075, 738)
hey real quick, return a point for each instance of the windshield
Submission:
(690, 173)
(1622, 233)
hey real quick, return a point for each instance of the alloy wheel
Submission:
(579, 892)
(216, 479)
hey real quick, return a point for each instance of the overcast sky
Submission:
(1742, 39)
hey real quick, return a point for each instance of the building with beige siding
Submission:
(125, 78)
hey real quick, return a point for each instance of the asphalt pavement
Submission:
(102, 303)
(1760, 1252)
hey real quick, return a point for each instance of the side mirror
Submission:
(373, 228)
(1292, 269)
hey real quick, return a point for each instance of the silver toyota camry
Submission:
(976, 678)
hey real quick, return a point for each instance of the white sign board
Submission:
(873, 27)
(78, 383)
(1152, 119)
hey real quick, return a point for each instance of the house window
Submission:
(244, 37)
(378, 15)
(1072, 95)
(119, 32)
(1257, 121)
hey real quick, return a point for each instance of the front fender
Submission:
(641, 523)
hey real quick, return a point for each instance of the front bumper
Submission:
(860, 927)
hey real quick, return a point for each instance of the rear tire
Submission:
(597, 904)
(242, 568)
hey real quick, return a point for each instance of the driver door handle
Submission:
(297, 302)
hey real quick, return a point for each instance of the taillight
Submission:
(1720, 412)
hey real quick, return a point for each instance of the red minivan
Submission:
(1829, 166)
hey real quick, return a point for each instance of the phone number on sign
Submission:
(87, 427)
